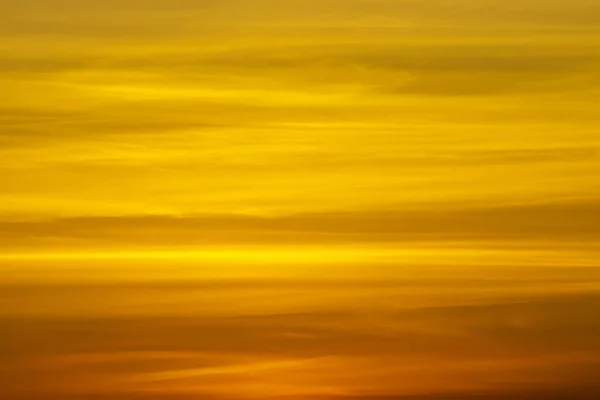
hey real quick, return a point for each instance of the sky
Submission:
(330, 200)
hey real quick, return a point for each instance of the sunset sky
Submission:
(286, 199)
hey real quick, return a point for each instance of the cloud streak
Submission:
(332, 200)
(518, 347)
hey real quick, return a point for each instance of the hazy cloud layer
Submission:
(521, 346)
(328, 200)
(530, 225)
(479, 117)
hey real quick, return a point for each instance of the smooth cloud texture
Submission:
(328, 200)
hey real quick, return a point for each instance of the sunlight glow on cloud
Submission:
(324, 200)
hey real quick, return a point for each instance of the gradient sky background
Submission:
(330, 200)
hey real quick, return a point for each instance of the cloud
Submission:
(334, 200)
(575, 222)
(577, 390)
(237, 122)
(162, 16)
(522, 346)
(402, 66)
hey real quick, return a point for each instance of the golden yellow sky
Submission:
(334, 199)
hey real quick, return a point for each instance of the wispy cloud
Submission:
(520, 345)
(332, 200)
